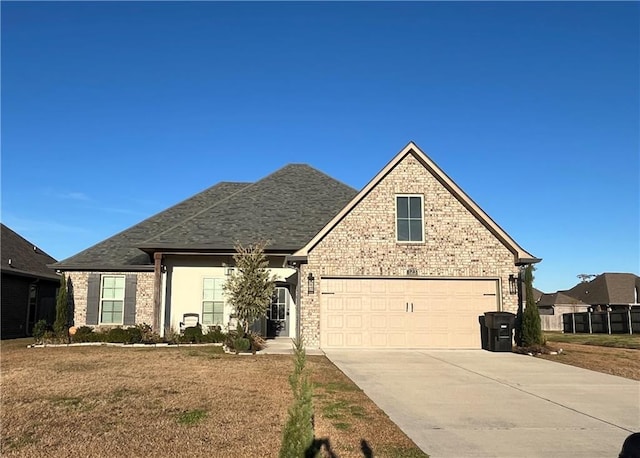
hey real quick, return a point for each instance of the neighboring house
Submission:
(553, 305)
(29, 287)
(410, 261)
(537, 294)
(608, 291)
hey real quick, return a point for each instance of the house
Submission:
(608, 291)
(410, 261)
(29, 287)
(553, 305)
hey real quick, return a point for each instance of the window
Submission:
(212, 301)
(111, 299)
(278, 309)
(409, 218)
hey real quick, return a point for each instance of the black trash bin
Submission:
(500, 330)
(484, 333)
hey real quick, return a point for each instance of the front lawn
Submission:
(604, 340)
(616, 354)
(187, 401)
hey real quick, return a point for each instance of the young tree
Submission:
(250, 289)
(60, 325)
(297, 436)
(531, 327)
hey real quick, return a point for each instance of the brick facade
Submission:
(144, 295)
(364, 243)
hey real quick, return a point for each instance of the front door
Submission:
(278, 314)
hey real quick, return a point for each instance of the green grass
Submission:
(342, 426)
(603, 340)
(333, 387)
(191, 417)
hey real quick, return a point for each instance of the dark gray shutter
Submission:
(93, 299)
(130, 299)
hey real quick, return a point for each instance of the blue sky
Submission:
(113, 111)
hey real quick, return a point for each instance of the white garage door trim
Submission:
(405, 312)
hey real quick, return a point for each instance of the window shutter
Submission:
(130, 299)
(93, 299)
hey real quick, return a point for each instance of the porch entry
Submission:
(278, 313)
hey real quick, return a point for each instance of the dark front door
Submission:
(278, 315)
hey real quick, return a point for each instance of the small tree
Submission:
(250, 289)
(531, 327)
(297, 437)
(60, 325)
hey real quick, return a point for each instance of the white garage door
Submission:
(404, 313)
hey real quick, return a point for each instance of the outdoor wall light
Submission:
(311, 284)
(513, 284)
(228, 271)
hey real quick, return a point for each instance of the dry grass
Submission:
(188, 401)
(622, 362)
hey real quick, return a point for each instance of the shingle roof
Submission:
(607, 288)
(121, 249)
(560, 297)
(26, 258)
(287, 208)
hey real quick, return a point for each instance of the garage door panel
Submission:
(403, 313)
(354, 304)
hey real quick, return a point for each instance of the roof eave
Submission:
(25, 273)
(101, 268)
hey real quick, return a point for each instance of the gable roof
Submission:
(120, 251)
(26, 258)
(521, 256)
(287, 208)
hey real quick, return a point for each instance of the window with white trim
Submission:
(212, 301)
(409, 218)
(112, 299)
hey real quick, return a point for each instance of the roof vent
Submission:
(35, 248)
(10, 265)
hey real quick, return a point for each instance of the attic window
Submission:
(409, 218)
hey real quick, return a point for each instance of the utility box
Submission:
(500, 330)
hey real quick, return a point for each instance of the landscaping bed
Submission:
(190, 401)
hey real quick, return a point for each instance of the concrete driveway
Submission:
(481, 404)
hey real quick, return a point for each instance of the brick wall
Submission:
(144, 295)
(364, 242)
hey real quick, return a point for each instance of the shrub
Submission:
(86, 334)
(531, 326)
(134, 335)
(117, 335)
(192, 334)
(241, 344)
(257, 341)
(60, 326)
(297, 437)
(148, 336)
(214, 335)
(39, 329)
